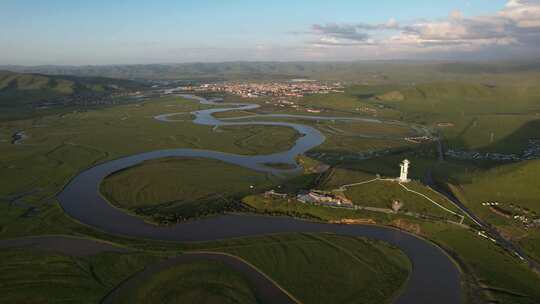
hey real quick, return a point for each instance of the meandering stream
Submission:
(434, 278)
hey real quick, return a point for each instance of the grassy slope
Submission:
(31, 276)
(324, 268)
(496, 118)
(20, 93)
(381, 194)
(498, 273)
(348, 269)
(512, 185)
(14, 81)
(208, 282)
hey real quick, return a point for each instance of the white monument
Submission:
(404, 171)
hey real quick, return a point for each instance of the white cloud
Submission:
(516, 27)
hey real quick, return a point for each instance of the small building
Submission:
(396, 205)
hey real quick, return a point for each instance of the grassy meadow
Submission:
(493, 113)
(205, 282)
(348, 269)
(380, 194)
(491, 273)
(34, 276)
(515, 188)
(59, 146)
(181, 188)
(344, 265)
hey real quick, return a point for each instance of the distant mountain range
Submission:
(339, 71)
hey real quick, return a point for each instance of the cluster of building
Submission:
(316, 197)
(531, 152)
(269, 89)
(526, 221)
(519, 214)
(337, 200)
(325, 199)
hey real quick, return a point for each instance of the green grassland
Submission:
(381, 194)
(205, 282)
(503, 133)
(182, 187)
(21, 93)
(270, 206)
(513, 183)
(497, 117)
(345, 139)
(530, 242)
(348, 269)
(442, 99)
(33, 276)
(493, 118)
(386, 166)
(324, 268)
(263, 139)
(366, 128)
(10, 80)
(492, 270)
(60, 146)
(515, 188)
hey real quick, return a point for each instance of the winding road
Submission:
(435, 278)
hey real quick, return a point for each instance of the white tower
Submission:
(404, 171)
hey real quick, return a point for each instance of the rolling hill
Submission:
(21, 93)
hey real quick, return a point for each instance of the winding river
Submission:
(434, 278)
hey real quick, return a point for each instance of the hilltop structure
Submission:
(403, 176)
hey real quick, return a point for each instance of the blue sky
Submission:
(122, 31)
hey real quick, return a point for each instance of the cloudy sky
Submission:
(164, 31)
